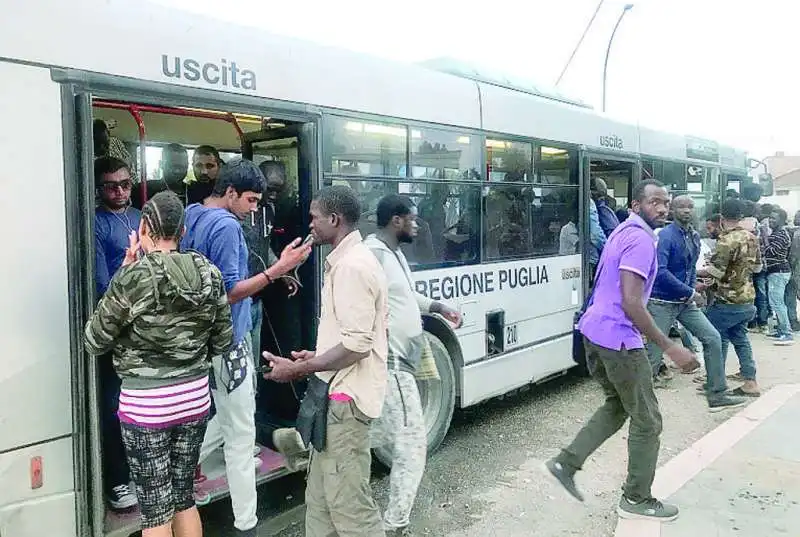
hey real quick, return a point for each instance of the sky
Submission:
(720, 69)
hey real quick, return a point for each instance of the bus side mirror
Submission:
(766, 183)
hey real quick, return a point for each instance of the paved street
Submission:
(485, 480)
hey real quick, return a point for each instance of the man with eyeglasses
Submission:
(114, 220)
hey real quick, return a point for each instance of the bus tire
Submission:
(438, 401)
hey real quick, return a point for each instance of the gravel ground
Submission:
(485, 479)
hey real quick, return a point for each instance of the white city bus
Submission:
(498, 173)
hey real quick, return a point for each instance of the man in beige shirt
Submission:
(351, 356)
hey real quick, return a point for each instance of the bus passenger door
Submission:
(289, 323)
(583, 207)
(617, 175)
(40, 448)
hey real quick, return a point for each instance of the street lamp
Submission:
(625, 9)
(765, 180)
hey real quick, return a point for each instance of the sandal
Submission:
(739, 392)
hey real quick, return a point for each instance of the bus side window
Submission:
(508, 221)
(452, 211)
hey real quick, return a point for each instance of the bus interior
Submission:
(618, 176)
(160, 143)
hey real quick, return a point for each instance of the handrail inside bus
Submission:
(136, 112)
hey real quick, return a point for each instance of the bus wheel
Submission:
(438, 401)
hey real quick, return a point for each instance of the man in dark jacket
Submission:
(277, 222)
(608, 218)
(676, 296)
(779, 272)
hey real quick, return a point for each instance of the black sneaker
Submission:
(252, 532)
(661, 383)
(724, 402)
(122, 497)
(564, 476)
(651, 509)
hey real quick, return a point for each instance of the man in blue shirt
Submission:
(214, 229)
(607, 217)
(114, 220)
(676, 296)
(597, 239)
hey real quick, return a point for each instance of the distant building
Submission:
(785, 170)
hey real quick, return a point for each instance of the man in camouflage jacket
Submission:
(736, 257)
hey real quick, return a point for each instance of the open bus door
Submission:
(288, 323)
(619, 175)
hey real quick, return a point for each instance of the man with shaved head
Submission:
(678, 296)
(608, 218)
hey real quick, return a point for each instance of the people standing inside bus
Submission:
(779, 272)
(433, 208)
(678, 296)
(114, 220)
(569, 239)
(214, 229)
(106, 145)
(607, 216)
(612, 327)
(597, 239)
(174, 166)
(736, 258)
(257, 228)
(402, 424)
(279, 219)
(163, 316)
(347, 384)
(172, 169)
(206, 164)
(276, 223)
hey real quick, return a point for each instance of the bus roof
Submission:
(141, 40)
(477, 73)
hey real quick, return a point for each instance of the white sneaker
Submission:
(289, 443)
(122, 497)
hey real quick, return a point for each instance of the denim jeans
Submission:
(790, 298)
(762, 303)
(686, 337)
(690, 316)
(776, 290)
(731, 320)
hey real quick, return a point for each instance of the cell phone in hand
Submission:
(264, 369)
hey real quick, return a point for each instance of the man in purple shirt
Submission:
(612, 328)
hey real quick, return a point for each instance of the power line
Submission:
(583, 35)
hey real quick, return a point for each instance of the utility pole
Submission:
(583, 35)
(627, 8)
